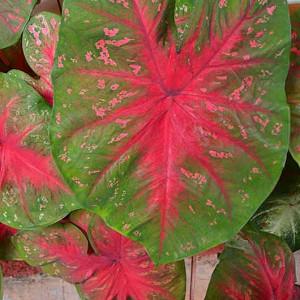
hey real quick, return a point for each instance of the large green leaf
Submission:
(293, 84)
(106, 266)
(32, 192)
(256, 266)
(175, 143)
(14, 14)
(280, 213)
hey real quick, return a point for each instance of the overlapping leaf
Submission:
(39, 44)
(14, 14)
(115, 268)
(280, 213)
(31, 191)
(293, 84)
(171, 138)
(257, 266)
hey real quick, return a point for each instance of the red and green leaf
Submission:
(14, 14)
(113, 267)
(293, 84)
(39, 44)
(256, 266)
(171, 138)
(32, 193)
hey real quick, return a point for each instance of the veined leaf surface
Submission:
(32, 193)
(14, 14)
(39, 44)
(293, 84)
(256, 266)
(115, 268)
(170, 139)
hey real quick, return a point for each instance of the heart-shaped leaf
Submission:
(256, 266)
(280, 213)
(174, 146)
(31, 191)
(14, 14)
(114, 268)
(293, 85)
(39, 44)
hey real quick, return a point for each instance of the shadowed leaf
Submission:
(256, 266)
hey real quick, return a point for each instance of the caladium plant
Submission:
(169, 135)
(292, 85)
(256, 266)
(32, 193)
(103, 264)
(14, 14)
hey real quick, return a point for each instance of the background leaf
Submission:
(39, 44)
(32, 192)
(293, 83)
(280, 213)
(14, 14)
(172, 140)
(256, 266)
(114, 266)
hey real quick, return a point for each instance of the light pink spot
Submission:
(88, 56)
(100, 111)
(101, 84)
(271, 9)
(110, 32)
(135, 68)
(222, 3)
(114, 87)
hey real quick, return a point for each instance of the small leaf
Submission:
(32, 192)
(293, 84)
(174, 141)
(39, 44)
(14, 14)
(114, 268)
(256, 266)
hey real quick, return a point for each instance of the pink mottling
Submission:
(120, 137)
(100, 111)
(259, 34)
(119, 43)
(122, 123)
(271, 9)
(135, 68)
(61, 59)
(210, 204)
(88, 56)
(101, 84)
(246, 57)
(114, 87)
(222, 3)
(222, 155)
(110, 32)
(254, 44)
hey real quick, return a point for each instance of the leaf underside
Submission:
(172, 137)
(293, 85)
(256, 266)
(115, 268)
(31, 191)
(14, 14)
